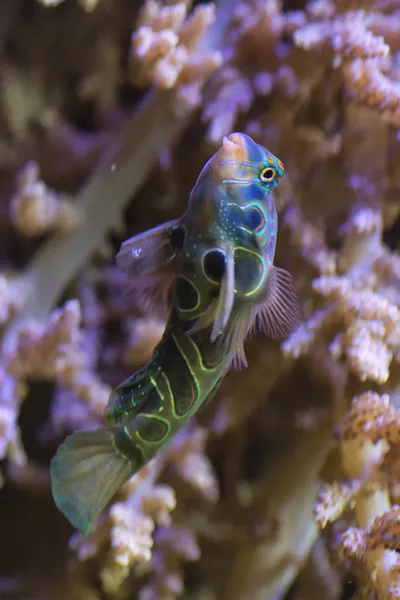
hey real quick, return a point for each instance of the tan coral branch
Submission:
(119, 174)
(165, 54)
(35, 209)
(266, 570)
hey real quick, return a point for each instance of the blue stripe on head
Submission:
(255, 154)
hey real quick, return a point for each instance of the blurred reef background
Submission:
(287, 487)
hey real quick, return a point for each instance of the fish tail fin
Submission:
(87, 470)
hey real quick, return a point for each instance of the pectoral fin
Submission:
(225, 300)
(279, 313)
(276, 316)
(206, 319)
(220, 308)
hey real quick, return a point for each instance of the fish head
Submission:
(240, 162)
(245, 175)
(231, 216)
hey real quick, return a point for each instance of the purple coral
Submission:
(319, 85)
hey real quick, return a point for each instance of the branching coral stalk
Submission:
(233, 97)
(121, 171)
(35, 349)
(13, 295)
(32, 353)
(35, 209)
(143, 335)
(309, 241)
(252, 40)
(231, 411)
(370, 432)
(53, 350)
(88, 5)
(172, 547)
(362, 299)
(163, 50)
(359, 51)
(267, 569)
(12, 395)
(119, 174)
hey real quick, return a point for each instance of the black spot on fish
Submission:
(177, 237)
(249, 271)
(215, 265)
(151, 429)
(186, 294)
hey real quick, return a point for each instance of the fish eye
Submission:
(214, 265)
(177, 237)
(254, 219)
(268, 174)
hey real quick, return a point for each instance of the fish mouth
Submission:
(231, 164)
(237, 139)
(235, 151)
(233, 148)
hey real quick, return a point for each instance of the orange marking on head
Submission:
(280, 165)
(270, 160)
(233, 146)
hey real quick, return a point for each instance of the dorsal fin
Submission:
(148, 259)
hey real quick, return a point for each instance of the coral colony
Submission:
(287, 485)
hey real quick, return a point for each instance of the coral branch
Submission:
(117, 177)
(317, 85)
(88, 5)
(266, 570)
(35, 209)
(163, 50)
(370, 431)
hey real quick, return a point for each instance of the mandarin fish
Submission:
(145, 411)
(213, 271)
(221, 252)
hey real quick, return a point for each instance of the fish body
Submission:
(215, 263)
(145, 413)
(213, 271)
(183, 369)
